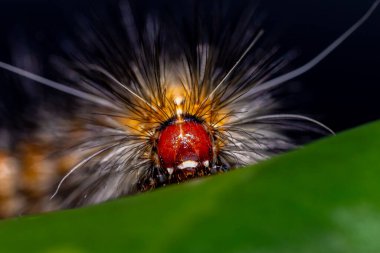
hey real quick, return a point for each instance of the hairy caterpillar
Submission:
(160, 101)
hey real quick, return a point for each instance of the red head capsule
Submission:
(185, 149)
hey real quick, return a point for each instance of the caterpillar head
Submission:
(186, 145)
(185, 148)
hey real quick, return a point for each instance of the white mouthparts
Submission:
(187, 164)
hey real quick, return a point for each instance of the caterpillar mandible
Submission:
(161, 99)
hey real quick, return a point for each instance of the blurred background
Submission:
(342, 91)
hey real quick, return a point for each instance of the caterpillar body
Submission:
(159, 100)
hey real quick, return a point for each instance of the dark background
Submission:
(342, 91)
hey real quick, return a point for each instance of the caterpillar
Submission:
(158, 99)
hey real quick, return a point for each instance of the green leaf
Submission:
(321, 198)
